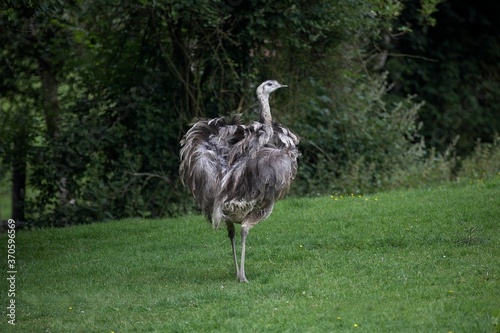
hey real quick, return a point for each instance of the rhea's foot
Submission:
(242, 278)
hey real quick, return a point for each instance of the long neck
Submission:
(265, 109)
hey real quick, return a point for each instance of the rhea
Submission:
(237, 172)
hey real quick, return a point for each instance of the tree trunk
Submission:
(51, 100)
(19, 178)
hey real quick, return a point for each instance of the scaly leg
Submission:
(251, 220)
(231, 233)
(244, 234)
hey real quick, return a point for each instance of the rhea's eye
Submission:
(269, 84)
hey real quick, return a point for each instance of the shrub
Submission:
(353, 141)
(483, 162)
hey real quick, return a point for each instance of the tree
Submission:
(453, 65)
(19, 67)
(105, 91)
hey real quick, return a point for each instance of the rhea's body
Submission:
(236, 172)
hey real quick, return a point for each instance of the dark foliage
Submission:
(96, 96)
(454, 65)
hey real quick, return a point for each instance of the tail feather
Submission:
(203, 154)
(217, 214)
(230, 167)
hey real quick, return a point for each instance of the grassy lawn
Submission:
(423, 260)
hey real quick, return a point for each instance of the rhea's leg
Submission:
(251, 220)
(231, 233)
(244, 234)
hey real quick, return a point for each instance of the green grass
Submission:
(423, 260)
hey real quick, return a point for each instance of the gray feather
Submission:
(234, 169)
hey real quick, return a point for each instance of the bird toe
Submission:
(242, 279)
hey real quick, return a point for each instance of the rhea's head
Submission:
(268, 87)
